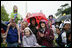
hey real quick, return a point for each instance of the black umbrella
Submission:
(64, 17)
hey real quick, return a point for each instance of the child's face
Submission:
(43, 25)
(57, 31)
(27, 32)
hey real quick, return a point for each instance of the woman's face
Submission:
(50, 17)
(43, 25)
(33, 21)
(27, 32)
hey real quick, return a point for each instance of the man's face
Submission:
(13, 24)
(67, 26)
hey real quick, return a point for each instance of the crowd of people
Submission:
(20, 33)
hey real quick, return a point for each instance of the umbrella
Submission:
(64, 17)
(38, 17)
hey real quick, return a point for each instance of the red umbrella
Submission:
(38, 17)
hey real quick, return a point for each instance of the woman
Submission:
(33, 25)
(45, 35)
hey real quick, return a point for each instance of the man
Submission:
(12, 35)
(66, 30)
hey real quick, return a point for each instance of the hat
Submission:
(67, 21)
(42, 21)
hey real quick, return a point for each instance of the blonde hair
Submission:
(25, 23)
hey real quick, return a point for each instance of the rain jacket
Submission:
(48, 38)
(29, 41)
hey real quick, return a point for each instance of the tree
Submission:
(63, 10)
(4, 14)
(67, 10)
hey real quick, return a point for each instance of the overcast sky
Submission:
(47, 7)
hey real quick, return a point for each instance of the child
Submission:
(29, 39)
(45, 35)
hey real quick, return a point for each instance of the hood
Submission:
(27, 28)
(42, 21)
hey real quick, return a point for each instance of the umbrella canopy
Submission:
(38, 17)
(64, 17)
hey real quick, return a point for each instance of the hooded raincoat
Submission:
(29, 41)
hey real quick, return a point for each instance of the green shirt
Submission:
(18, 17)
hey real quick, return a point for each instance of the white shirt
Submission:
(64, 39)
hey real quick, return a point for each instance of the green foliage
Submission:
(61, 11)
(67, 11)
(4, 14)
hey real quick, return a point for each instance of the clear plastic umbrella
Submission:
(64, 17)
